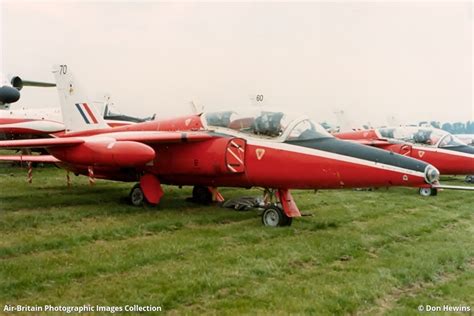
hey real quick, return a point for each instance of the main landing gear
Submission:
(428, 191)
(136, 196)
(279, 213)
(148, 190)
(202, 195)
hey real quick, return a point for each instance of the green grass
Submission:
(359, 252)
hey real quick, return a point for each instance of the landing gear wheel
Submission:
(136, 196)
(469, 179)
(202, 195)
(428, 192)
(274, 216)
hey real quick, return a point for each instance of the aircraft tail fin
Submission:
(344, 123)
(78, 113)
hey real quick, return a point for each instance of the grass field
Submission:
(358, 252)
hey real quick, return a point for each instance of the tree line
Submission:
(453, 128)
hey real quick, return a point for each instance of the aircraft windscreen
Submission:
(422, 136)
(450, 140)
(307, 129)
(266, 124)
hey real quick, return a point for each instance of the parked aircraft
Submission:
(20, 123)
(10, 90)
(262, 148)
(468, 139)
(441, 149)
(28, 123)
(23, 122)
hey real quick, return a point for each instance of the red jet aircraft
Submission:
(268, 149)
(443, 150)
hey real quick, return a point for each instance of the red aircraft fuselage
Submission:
(238, 161)
(191, 151)
(450, 160)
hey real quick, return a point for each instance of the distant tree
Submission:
(470, 127)
(435, 124)
(458, 128)
(447, 127)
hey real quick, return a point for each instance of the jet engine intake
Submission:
(431, 174)
(17, 82)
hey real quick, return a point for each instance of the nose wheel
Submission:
(428, 191)
(274, 216)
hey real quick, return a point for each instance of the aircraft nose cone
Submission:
(431, 174)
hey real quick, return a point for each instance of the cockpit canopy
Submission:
(422, 135)
(267, 124)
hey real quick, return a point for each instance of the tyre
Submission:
(428, 192)
(136, 196)
(202, 195)
(274, 216)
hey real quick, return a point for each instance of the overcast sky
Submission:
(411, 60)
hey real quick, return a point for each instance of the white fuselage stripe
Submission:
(235, 156)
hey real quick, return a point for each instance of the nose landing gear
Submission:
(274, 215)
(428, 191)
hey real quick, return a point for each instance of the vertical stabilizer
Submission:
(78, 113)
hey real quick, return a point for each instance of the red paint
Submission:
(29, 126)
(118, 124)
(105, 153)
(13, 120)
(364, 134)
(276, 169)
(288, 204)
(446, 161)
(151, 188)
(175, 124)
(203, 158)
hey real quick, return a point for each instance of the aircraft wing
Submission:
(159, 137)
(29, 158)
(42, 142)
(136, 136)
(37, 83)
